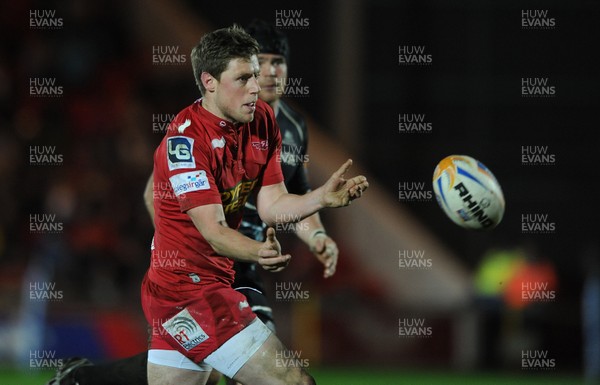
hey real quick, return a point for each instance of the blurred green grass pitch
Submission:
(365, 376)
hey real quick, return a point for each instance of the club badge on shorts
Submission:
(184, 328)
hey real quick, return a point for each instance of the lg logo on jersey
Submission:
(179, 152)
(179, 148)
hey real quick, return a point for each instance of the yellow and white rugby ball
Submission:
(468, 192)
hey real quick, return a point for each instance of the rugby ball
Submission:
(468, 192)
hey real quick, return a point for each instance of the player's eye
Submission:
(244, 78)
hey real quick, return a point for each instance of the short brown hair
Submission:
(217, 48)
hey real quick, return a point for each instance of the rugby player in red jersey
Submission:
(216, 153)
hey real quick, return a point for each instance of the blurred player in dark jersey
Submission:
(273, 58)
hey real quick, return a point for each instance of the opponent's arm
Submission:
(311, 231)
(275, 204)
(210, 222)
(149, 197)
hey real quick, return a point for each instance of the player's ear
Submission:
(208, 81)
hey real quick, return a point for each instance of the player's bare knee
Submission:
(299, 377)
(307, 379)
(213, 378)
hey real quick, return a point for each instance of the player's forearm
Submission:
(292, 208)
(309, 227)
(230, 243)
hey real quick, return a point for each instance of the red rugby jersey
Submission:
(204, 159)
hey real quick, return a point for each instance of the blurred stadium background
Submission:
(74, 234)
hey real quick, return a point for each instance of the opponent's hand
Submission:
(326, 251)
(270, 257)
(338, 192)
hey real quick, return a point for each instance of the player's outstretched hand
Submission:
(270, 257)
(339, 191)
(326, 251)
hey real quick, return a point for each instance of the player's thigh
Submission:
(214, 378)
(168, 375)
(263, 368)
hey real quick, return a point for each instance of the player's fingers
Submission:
(267, 253)
(271, 235)
(358, 181)
(330, 265)
(282, 259)
(358, 188)
(356, 194)
(342, 170)
(332, 249)
(329, 272)
(364, 184)
(328, 256)
(275, 262)
(329, 249)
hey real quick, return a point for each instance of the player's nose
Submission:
(254, 86)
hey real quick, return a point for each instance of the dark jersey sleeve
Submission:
(294, 156)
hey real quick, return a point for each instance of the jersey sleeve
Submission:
(189, 170)
(298, 184)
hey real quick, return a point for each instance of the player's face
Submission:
(273, 75)
(237, 90)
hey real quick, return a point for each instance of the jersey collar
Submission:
(223, 124)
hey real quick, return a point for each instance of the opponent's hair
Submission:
(216, 49)
(270, 39)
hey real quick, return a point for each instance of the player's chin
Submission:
(245, 117)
